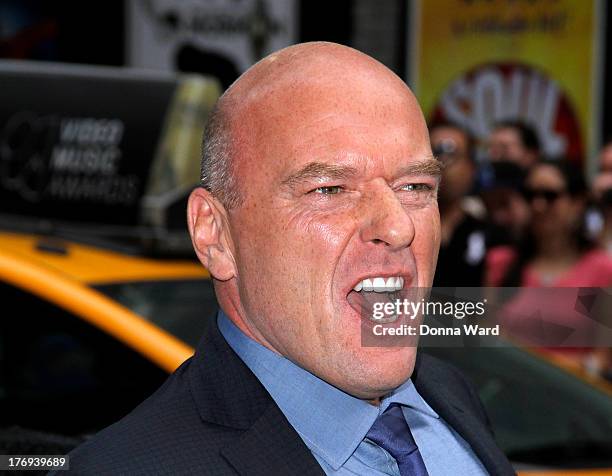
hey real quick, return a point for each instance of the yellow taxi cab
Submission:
(88, 333)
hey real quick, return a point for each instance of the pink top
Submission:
(593, 269)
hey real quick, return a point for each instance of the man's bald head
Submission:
(297, 76)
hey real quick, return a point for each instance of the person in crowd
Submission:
(504, 200)
(601, 191)
(318, 192)
(514, 141)
(605, 158)
(554, 253)
(465, 236)
(602, 194)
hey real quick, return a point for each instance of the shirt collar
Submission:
(331, 422)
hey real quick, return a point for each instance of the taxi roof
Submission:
(94, 265)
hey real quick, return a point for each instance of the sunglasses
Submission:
(549, 195)
(447, 152)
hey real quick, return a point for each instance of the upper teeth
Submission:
(380, 285)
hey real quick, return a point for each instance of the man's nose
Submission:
(386, 221)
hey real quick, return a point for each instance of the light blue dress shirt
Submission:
(333, 424)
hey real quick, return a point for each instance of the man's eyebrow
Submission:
(318, 170)
(429, 166)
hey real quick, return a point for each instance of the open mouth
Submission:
(369, 296)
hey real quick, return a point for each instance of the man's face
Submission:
(337, 189)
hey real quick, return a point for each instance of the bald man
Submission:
(319, 195)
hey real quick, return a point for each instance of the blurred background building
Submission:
(469, 61)
(523, 79)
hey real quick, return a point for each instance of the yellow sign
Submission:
(480, 61)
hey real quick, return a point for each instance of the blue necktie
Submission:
(390, 431)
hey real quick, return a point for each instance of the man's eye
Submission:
(329, 190)
(416, 187)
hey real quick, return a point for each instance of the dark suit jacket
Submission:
(213, 417)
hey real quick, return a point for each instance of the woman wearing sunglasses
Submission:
(555, 253)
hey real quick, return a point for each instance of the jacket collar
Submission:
(227, 393)
(224, 390)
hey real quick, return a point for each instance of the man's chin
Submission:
(381, 374)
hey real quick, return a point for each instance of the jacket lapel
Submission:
(227, 393)
(459, 415)
(271, 446)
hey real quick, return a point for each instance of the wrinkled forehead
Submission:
(328, 110)
(322, 84)
(327, 101)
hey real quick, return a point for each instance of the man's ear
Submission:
(206, 220)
